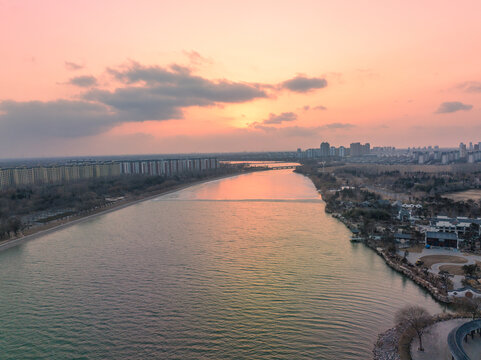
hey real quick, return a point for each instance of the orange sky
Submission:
(126, 77)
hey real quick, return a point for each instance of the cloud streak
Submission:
(303, 84)
(278, 119)
(73, 66)
(452, 106)
(302, 131)
(471, 86)
(83, 81)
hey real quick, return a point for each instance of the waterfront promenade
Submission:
(435, 341)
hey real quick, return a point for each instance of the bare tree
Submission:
(415, 318)
(470, 305)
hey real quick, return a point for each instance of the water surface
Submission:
(248, 267)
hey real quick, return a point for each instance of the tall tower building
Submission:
(325, 149)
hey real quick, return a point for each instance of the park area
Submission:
(435, 342)
(474, 194)
(451, 261)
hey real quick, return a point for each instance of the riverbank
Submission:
(407, 271)
(396, 343)
(246, 256)
(393, 261)
(390, 344)
(56, 225)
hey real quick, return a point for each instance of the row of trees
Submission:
(12, 225)
(18, 203)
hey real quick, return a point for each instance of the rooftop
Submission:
(441, 235)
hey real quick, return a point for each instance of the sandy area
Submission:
(430, 260)
(456, 279)
(452, 269)
(464, 195)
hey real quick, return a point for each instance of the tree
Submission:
(471, 269)
(444, 278)
(470, 305)
(415, 318)
(14, 224)
(472, 235)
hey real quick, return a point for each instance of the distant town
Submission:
(358, 152)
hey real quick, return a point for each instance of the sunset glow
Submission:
(110, 77)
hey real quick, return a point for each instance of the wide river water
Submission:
(248, 267)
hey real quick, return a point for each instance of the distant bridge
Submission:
(283, 167)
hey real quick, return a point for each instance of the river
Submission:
(247, 267)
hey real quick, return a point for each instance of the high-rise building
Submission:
(355, 149)
(462, 151)
(74, 172)
(299, 153)
(325, 149)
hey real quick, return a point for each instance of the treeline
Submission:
(73, 198)
(435, 205)
(426, 188)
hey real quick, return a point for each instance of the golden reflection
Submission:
(255, 186)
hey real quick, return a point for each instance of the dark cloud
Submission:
(303, 84)
(73, 66)
(155, 93)
(452, 106)
(277, 119)
(306, 108)
(471, 86)
(83, 81)
(147, 93)
(140, 104)
(177, 81)
(61, 118)
(142, 93)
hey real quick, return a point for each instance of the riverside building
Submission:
(13, 177)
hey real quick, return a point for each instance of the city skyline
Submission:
(144, 78)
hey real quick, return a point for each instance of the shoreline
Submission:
(58, 225)
(404, 271)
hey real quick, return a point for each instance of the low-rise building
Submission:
(404, 240)
(442, 239)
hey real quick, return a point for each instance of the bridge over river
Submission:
(283, 167)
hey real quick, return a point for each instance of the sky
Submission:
(144, 77)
